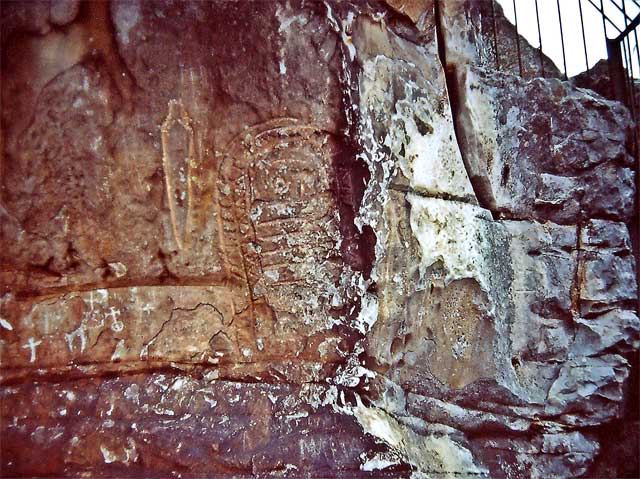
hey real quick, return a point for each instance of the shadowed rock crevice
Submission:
(351, 178)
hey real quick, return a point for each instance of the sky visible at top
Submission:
(593, 29)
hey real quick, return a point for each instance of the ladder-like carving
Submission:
(238, 234)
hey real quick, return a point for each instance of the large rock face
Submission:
(544, 150)
(276, 239)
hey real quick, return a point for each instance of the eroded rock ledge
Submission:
(306, 239)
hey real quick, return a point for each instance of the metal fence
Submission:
(620, 52)
(620, 33)
(620, 27)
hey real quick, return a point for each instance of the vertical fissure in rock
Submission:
(451, 78)
(351, 177)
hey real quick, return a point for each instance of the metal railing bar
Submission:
(626, 61)
(515, 17)
(628, 85)
(632, 26)
(627, 19)
(621, 9)
(629, 78)
(604, 16)
(635, 34)
(625, 40)
(604, 28)
(495, 34)
(629, 61)
(604, 23)
(539, 39)
(564, 57)
(584, 38)
(630, 67)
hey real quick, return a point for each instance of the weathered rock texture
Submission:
(307, 239)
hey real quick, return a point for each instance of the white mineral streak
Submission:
(368, 313)
(420, 140)
(119, 351)
(424, 146)
(130, 453)
(343, 27)
(109, 456)
(453, 233)
(377, 463)
(119, 269)
(127, 16)
(423, 151)
(421, 144)
(428, 454)
(286, 22)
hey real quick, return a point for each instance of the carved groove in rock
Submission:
(178, 154)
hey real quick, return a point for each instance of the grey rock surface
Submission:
(544, 150)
